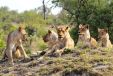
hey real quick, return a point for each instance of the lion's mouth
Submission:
(60, 37)
(25, 39)
(45, 40)
(81, 33)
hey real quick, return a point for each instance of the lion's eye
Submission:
(102, 33)
(58, 31)
(25, 34)
(63, 31)
(83, 29)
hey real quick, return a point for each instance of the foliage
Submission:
(96, 13)
(33, 22)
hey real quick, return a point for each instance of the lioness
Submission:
(85, 37)
(14, 44)
(64, 40)
(64, 36)
(104, 38)
(50, 38)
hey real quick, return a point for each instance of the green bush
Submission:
(74, 34)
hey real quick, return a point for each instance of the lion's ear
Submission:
(67, 28)
(87, 26)
(99, 29)
(49, 31)
(80, 26)
(52, 26)
(20, 28)
(106, 30)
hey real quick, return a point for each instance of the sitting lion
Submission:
(104, 38)
(85, 37)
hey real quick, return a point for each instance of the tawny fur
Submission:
(64, 37)
(50, 38)
(14, 40)
(64, 40)
(16, 53)
(85, 37)
(104, 38)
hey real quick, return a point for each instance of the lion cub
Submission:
(50, 38)
(15, 45)
(84, 36)
(104, 38)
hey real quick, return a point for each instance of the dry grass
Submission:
(84, 62)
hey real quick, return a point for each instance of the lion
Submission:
(64, 40)
(50, 38)
(14, 45)
(64, 36)
(104, 38)
(85, 37)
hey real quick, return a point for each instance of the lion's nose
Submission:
(60, 35)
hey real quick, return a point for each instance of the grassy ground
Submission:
(77, 62)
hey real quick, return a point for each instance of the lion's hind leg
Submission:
(8, 53)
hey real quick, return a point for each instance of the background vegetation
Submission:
(96, 13)
(35, 24)
(79, 61)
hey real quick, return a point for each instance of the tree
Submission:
(96, 13)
